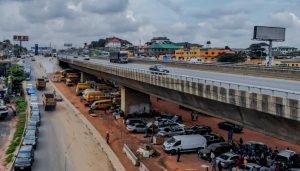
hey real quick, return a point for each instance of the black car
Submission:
(230, 126)
(158, 69)
(216, 148)
(198, 129)
(213, 138)
(25, 158)
(258, 147)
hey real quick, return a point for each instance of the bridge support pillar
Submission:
(86, 77)
(134, 101)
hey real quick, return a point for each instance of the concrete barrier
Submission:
(131, 155)
(143, 167)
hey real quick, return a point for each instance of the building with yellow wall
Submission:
(206, 54)
(292, 62)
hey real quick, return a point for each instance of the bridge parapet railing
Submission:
(226, 84)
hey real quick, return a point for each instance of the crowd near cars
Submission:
(210, 146)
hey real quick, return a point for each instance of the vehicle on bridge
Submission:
(49, 101)
(118, 57)
(158, 69)
(40, 84)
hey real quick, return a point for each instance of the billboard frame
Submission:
(262, 39)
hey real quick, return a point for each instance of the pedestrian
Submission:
(229, 136)
(212, 155)
(220, 166)
(178, 155)
(214, 164)
(192, 116)
(54, 92)
(241, 141)
(107, 137)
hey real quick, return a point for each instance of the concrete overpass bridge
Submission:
(273, 111)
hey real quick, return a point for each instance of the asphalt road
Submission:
(235, 78)
(64, 143)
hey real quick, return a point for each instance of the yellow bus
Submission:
(102, 104)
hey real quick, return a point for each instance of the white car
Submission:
(137, 127)
(227, 159)
(86, 57)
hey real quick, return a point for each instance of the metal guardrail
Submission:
(225, 84)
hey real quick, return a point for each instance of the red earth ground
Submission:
(119, 135)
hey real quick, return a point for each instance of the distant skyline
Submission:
(223, 22)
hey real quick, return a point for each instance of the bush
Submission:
(21, 110)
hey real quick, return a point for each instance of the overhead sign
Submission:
(36, 49)
(20, 38)
(269, 33)
(68, 45)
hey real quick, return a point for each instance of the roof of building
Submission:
(284, 47)
(164, 46)
(115, 40)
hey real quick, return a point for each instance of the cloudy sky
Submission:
(223, 22)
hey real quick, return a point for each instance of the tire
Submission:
(173, 152)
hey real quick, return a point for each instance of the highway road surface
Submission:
(289, 85)
(65, 144)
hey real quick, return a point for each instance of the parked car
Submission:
(32, 132)
(198, 129)
(3, 112)
(131, 121)
(185, 143)
(258, 147)
(171, 131)
(75, 56)
(30, 91)
(25, 158)
(86, 57)
(227, 159)
(137, 127)
(285, 157)
(36, 118)
(213, 138)
(216, 148)
(159, 69)
(30, 139)
(32, 125)
(46, 78)
(230, 126)
(36, 112)
(250, 167)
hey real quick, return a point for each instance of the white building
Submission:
(113, 44)
(283, 50)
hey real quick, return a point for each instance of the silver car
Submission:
(137, 127)
(171, 131)
(227, 159)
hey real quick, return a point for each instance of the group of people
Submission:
(251, 154)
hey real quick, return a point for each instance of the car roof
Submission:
(255, 142)
(253, 165)
(26, 148)
(287, 153)
(230, 154)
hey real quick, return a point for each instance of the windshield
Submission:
(281, 158)
(29, 138)
(171, 140)
(24, 155)
(31, 127)
(224, 157)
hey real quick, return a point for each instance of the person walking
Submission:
(220, 166)
(107, 137)
(178, 155)
(214, 164)
(241, 141)
(212, 155)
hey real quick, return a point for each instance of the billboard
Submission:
(20, 38)
(269, 33)
(67, 45)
